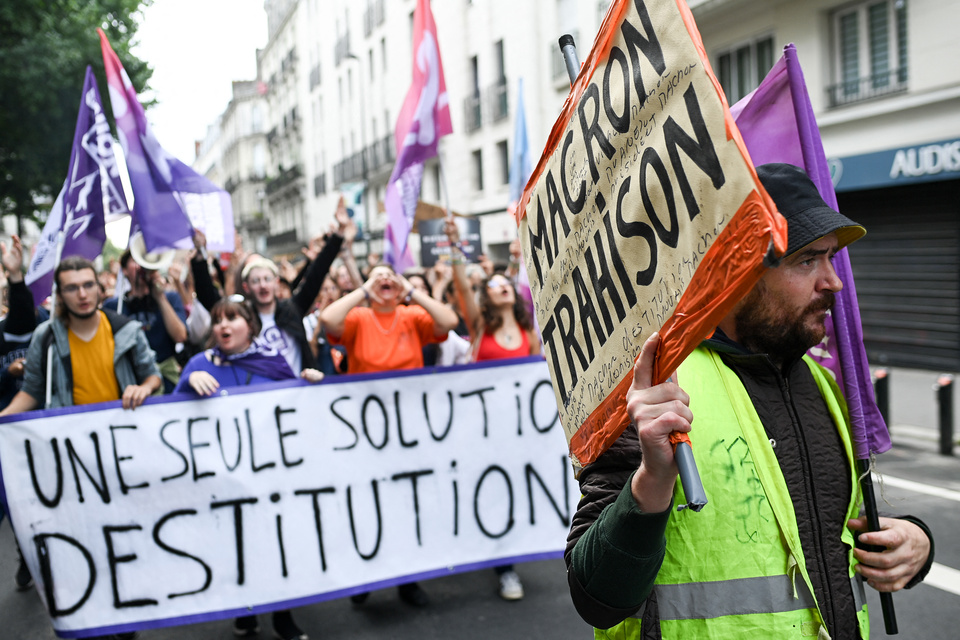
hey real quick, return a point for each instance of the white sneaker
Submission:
(510, 586)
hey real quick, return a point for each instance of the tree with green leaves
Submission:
(45, 47)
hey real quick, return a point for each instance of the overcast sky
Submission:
(196, 49)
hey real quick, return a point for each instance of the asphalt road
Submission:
(919, 481)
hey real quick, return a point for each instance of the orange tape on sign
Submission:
(644, 214)
(678, 436)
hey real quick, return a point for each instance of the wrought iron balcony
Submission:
(286, 177)
(868, 87)
(497, 100)
(472, 114)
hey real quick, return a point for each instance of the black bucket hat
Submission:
(809, 218)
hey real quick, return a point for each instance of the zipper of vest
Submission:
(812, 503)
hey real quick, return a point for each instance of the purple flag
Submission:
(778, 125)
(423, 120)
(170, 198)
(93, 182)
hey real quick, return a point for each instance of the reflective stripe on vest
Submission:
(772, 594)
(704, 589)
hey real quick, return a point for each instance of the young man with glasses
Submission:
(84, 341)
(282, 320)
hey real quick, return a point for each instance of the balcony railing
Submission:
(342, 48)
(373, 16)
(362, 164)
(286, 177)
(497, 100)
(868, 87)
(472, 115)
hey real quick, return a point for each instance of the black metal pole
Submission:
(873, 524)
(944, 389)
(881, 389)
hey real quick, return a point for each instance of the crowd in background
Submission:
(210, 323)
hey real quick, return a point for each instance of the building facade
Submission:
(244, 161)
(878, 72)
(887, 102)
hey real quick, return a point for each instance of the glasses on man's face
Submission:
(74, 288)
(265, 281)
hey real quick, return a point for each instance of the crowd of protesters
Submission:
(126, 332)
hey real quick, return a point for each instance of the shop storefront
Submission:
(907, 267)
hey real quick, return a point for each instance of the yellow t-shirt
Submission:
(94, 379)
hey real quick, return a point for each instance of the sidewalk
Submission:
(914, 413)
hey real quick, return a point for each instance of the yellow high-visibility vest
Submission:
(736, 569)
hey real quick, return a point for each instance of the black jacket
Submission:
(816, 471)
(289, 313)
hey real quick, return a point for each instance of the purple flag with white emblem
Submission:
(423, 120)
(92, 188)
(169, 198)
(778, 125)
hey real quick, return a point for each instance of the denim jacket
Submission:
(133, 359)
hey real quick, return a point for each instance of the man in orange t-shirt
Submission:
(387, 335)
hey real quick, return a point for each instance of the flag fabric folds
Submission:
(520, 169)
(93, 183)
(778, 125)
(170, 198)
(423, 120)
(520, 166)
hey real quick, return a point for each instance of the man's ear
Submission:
(245, 286)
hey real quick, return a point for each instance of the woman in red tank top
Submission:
(499, 323)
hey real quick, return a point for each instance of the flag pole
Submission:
(61, 238)
(693, 491)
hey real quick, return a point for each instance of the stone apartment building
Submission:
(887, 100)
(886, 95)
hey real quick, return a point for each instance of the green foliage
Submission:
(45, 47)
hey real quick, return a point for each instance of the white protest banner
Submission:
(644, 214)
(187, 510)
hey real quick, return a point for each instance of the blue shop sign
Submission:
(907, 165)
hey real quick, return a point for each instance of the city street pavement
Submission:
(917, 480)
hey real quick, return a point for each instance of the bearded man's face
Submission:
(784, 314)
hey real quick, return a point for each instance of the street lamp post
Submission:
(365, 169)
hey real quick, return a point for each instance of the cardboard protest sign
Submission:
(434, 243)
(192, 510)
(644, 214)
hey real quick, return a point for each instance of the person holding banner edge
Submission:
(781, 545)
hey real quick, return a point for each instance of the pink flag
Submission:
(423, 120)
(778, 125)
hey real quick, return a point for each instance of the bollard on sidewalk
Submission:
(881, 391)
(944, 389)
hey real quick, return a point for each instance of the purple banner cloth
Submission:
(423, 120)
(93, 181)
(778, 125)
(260, 359)
(170, 198)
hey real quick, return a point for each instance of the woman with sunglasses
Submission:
(499, 322)
(237, 358)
